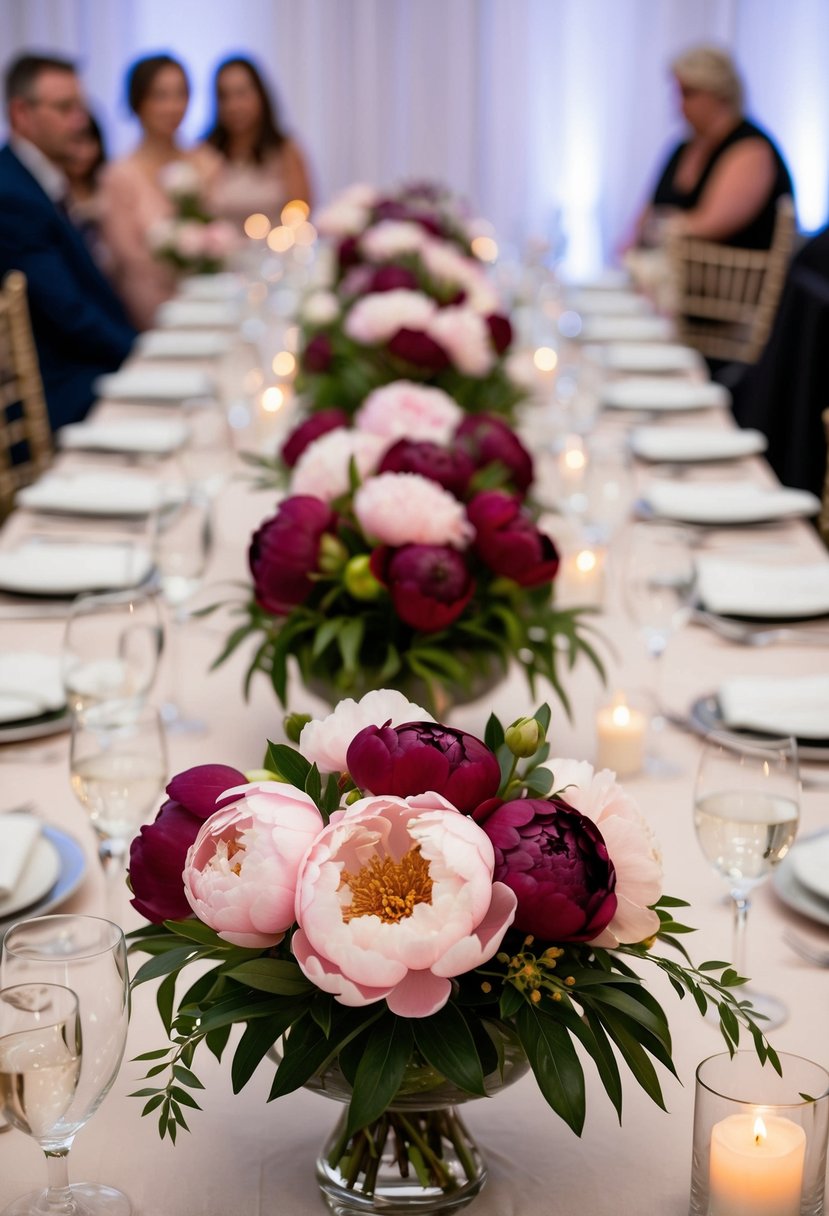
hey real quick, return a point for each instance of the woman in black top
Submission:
(724, 182)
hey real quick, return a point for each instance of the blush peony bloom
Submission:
(405, 409)
(284, 553)
(320, 308)
(629, 841)
(508, 541)
(241, 871)
(311, 429)
(488, 439)
(348, 213)
(390, 238)
(395, 898)
(449, 467)
(158, 852)
(464, 335)
(404, 509)
(323, 468)
(325, 741)
(377, 317)
(557, 863)
(421, 756)
(429, 585)
(449, 266)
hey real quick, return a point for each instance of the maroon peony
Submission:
(304, 435)
(317, 356)
(508, 541)
(158, 852)
(449, 467)
(488, 439)
(500, 331)
(392, 278)
(430, 585)
(418, 348)
(421, 756)
(556, 861)
(348, 253)
(284, 552)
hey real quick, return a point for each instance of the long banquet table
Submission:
(251, 1159)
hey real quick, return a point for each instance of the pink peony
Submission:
(448, 265)
(629, 842)
(241, 871)
(396, 897)
(407, 509)
(322, 469)
(464, 335)
(390, 238)
(325, 741)
(320, 308)
(407, 410)
(348, 213)
(188, 239)
(378, 316)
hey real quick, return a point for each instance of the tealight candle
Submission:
(621, 731)
(756, 1166)
(580, 579)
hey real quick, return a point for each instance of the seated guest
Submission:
(133, 199)
(87, 157)
(722, 183)
(79, 324)
(261, 167)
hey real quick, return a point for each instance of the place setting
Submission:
(711, 503)
(41, 866)
(653, 358)
(686, 445)
(148, 384)
(663, 395)
(130, 437)
(801, 881)
(756, 603)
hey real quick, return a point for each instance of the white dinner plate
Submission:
(723, 503)
(100, 495)
(183, 343)
(608, 303)
(58, 568)
(70, 875)
(149, 384)
(652, 357)
(811, 865)
(706, 715)
(198, 314)
(664, 394)
(30, 685)
(626, 329)
(694, 444)
(56, 722)
(730, 588)
(211, 287)
(792, 892)
(38, 876)
(130, 436)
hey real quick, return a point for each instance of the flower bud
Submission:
(359, 580)
(292, 724)
(353, 796)
(260, 774)
(332, 554)
(524, 737)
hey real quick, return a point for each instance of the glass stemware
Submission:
(206, 457)
(111, 647)
(40, 1061)
(746, 811)
(89, 956)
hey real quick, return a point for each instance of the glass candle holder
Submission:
(759, 1138)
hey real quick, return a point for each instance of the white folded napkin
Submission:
(155, 384)
(810, 861)
(608, 303)
(30, 685)
(652, 357)
(64, 568)
(183, 344)
(611, 278)
(664, 393)
(198, 314)
(726, 502)
(626, 329)
(93, 494)
(18, 837)
(692, 443)
(798, 707)
(745, 589)
(211, 287)
(150, 436)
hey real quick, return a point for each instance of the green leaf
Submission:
(163, 964)
(313, 785)
(634, 1055)
(494, 733)
(256, 1041)
(182, 1096)
(380, 1072)
(445, 1041)
(543, 715)
(152, 1055)
(349, 640)
(196, 931)
(186, 1077)
(511, 1001)
(289, 764)
(307, 1051)
(555, 1064)
(165, 999)
(153, 1103)
(540, 782)
(216, 1041)
(279, 976)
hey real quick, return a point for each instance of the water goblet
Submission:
(205, 458)
(111, 647)
(89, 956)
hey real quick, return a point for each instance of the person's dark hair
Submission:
(270, 136)
(94, 129)
(23, 72)
(142, 73)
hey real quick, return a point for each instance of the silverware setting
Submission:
(817, 955)
(759, 635)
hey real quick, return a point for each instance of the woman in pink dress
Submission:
(133, 200)
(261, 167)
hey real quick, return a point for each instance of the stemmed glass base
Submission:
(80, 1199)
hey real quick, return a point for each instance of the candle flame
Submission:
(284, 363)
(545, 359)
(760, 1132)
(620, 715)
(273, 399)
(586, 561)
(575, 459)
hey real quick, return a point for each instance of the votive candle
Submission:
(621, 732)
(756, 1166)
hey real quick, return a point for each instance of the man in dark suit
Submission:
(80, 325)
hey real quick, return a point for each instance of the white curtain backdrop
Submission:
(548, 115)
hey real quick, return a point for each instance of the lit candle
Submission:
(580, 579)
(620, 737)
(572, 470)
(756, 1166)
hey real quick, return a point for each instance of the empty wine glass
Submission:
(111, 647)
(118, 767)
(746, 811)
(206, 456)
(40, 1062)
(89, 956)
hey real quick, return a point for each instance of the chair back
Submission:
(823, 519)
(726, 297)
(25, 434)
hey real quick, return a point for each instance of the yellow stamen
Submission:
(233, 847)
(486, 986)
(387, 888)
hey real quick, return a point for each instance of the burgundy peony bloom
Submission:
(418, 348)
(488, 439)
(556, 861)
(284, 552)
(430, 585)
(305, 434)
(422, 756)
(158, 852)
(500, 330)
(348, 252)
(508, 541)
(449, 467)
(316, 358)
(392, 278)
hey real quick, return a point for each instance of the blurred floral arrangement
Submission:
(407, 554)
(411, 906)
(190, 241)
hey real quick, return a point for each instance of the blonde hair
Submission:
(711, 69)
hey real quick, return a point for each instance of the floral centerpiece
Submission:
(405, 553)
(190, 240)
(432, 207)
(417, 913)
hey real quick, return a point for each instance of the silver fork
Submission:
(812, 954)
(754, 635)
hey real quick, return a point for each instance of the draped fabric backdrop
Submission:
(548, 115)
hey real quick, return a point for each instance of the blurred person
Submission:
(86, 159)
(261, 168)
(80, 326)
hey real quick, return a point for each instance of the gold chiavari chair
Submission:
(25, 434)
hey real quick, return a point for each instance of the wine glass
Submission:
(206, 456)
(89, 956)
(657, 591)
(40, 1062)
(118, 767)
(746, 811)
(111, 647)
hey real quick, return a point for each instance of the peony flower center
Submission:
(387, 888)
(222, 859)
